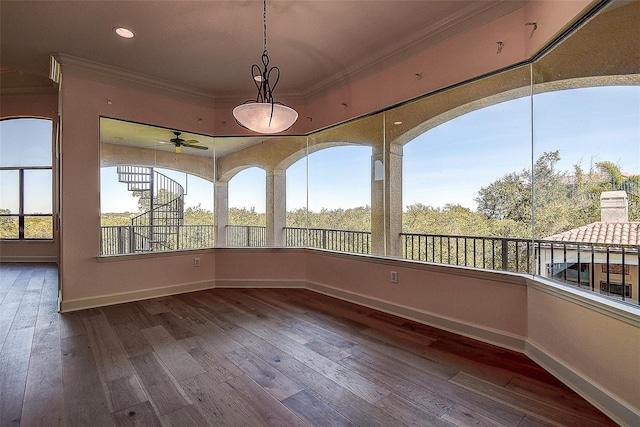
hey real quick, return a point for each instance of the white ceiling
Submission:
(210, 46)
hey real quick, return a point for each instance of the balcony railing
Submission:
(611, 270)
(336, 240)
(127, 239)
(246, 236)
(492, 253)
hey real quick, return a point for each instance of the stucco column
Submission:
(221, 211)
(386, 200)
(276, 207)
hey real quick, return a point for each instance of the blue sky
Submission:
(447, 164)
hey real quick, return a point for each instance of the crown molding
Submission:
(465, 19)
(111, 72)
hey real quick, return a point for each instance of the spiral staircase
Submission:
(157, 229)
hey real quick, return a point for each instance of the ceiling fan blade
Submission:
(199, 147)
(191, 141)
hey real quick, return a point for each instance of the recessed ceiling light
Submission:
(123, 32)
(397, 122)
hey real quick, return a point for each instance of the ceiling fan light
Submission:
(178, 149)
(258, 117)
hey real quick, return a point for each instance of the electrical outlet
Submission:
(196, 262)
(394, 277)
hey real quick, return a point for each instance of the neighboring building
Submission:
(587, 266)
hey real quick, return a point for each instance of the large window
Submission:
(156, 189)
(26, 177)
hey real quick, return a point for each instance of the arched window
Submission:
(26, 179)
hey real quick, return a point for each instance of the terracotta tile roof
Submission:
(616, 233)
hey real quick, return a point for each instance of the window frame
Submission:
(22, 216)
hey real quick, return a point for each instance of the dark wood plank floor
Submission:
(255, 358)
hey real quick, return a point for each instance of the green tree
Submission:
(197, 215)
(243, 216)
(8, 225)
(516, 196)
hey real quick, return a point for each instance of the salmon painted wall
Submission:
(276, 267)
(45, 106)
(438, 291)
(601, 348)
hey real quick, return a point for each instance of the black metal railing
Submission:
(246, 236)
(125, 239)
(336, 240)
(611, 270)
(493, 253)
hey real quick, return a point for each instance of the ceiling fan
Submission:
(190, 143)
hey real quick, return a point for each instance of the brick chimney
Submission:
(614, 206)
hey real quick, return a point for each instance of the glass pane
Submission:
(466, 188)
(154, 195)
(25, 142)
(586, 150)
(9, 191)
(37, 192)
(296, 197)
(38, 227)
(9, 227)
(340, 207)
(247, 208)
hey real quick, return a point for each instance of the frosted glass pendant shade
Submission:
(257, 117)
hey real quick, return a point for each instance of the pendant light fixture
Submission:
(264, 115)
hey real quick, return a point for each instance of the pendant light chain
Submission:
(264, 21)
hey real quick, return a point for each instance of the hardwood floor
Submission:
(263, 357)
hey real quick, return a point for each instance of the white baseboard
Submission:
(618, 410)
(499, 338)
(103, 300)
(299, 284)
